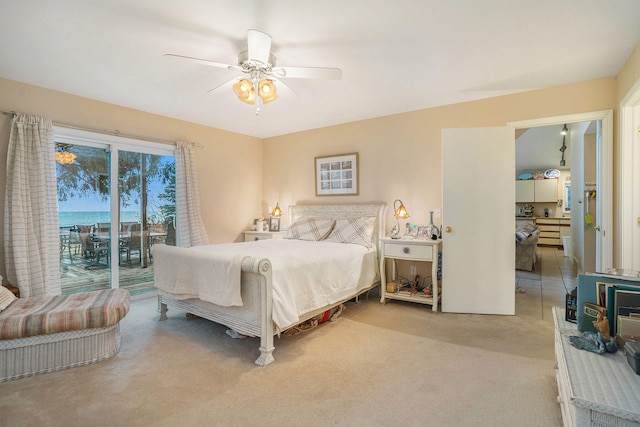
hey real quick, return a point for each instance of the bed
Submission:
(262, 288)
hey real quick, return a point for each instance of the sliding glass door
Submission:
(116, 200)
(147, 211)
(83, 204)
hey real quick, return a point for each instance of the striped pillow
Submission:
(353, 230)
(309, 229)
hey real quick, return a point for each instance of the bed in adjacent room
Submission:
(329, 255)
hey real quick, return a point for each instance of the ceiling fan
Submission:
(258, 66)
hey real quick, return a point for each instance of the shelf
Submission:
(417, 298)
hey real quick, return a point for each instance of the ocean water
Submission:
(67, 219)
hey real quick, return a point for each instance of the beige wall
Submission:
(400, 154)
(229, 165)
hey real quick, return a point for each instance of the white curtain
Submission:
(190, 228)
(32, 235)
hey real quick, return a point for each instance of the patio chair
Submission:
(103, 227)
(85, 232)
(71, 243)
(134, 241)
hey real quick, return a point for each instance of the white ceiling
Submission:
(538, 149)
(396, 56)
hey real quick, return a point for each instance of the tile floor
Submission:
(539, 290)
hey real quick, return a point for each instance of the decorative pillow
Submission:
(6, 297)
(309, 229)
(353, 230)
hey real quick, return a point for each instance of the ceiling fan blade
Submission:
(205, 62)
(259, 46)
(284, 89)
(226, 84)
(308, 73)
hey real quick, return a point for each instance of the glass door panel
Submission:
(84, 206)
(146, 186)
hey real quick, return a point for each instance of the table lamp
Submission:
(400, 212)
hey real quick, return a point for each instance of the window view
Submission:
(145, 216)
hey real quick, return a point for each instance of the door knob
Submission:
(448, 229)
(595, 227)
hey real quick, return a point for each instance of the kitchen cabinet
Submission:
(546, 190)
(552, 230)
(525, 191)
(537, 191)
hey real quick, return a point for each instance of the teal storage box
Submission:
(632, 348)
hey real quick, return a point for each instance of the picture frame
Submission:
(274, 223)
(337, 175)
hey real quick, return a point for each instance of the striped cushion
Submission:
(28, 317)
(309, 229)
(353, 230)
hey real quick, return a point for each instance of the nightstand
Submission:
(410, 250)
(250, 236)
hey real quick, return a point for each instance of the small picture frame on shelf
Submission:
(274, 223)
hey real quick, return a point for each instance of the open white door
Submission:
(478, 252)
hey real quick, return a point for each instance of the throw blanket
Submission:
(28, 317)
(210, 276)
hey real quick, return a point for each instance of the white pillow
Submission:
(353, 230)
(312, 229)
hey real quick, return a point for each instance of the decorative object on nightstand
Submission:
(433, 232)
(274, 223)
(400, 212)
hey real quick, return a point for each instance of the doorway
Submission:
(603, 180)
(560, 153)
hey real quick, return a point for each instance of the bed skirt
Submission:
(24, 357)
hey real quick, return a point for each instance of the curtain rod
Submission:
(107, 131)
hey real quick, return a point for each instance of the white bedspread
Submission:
(306, 275)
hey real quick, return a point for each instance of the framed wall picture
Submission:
(337, 175)
(274, 223)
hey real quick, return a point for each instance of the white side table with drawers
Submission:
(410, 250)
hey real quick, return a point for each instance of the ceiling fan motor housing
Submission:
(248, 64)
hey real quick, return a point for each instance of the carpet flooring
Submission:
(397, 364)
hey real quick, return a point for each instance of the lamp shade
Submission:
(400, 211)
(244, 90)
(276, 211)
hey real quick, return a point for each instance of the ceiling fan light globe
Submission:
(267, 90)
(244, 91)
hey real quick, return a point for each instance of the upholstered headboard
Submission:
(376, 209)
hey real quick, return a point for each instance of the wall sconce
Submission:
(276, 211)
(400, 212)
